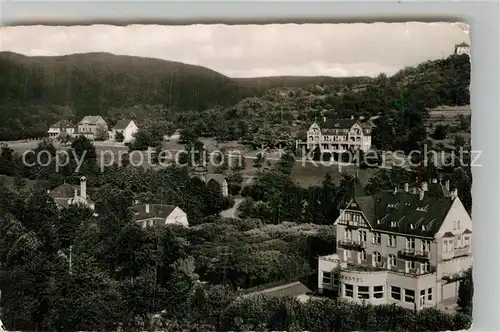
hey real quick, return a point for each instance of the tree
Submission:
(119, 136)
(439, 132)
(466, 292)
(101, 134)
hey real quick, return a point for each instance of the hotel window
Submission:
(446, 249)
(348, 234)
(144, 224)
(425, 245)
(391, 241)
(409, 265)
(363, 292)
(409, 296)
(455, 243)
(348, 290)
(466, 241)
(327, 277)
(150, 222)
(426, 267)
(362, 255)
(410, 243)
(429, 295)
(378, 292)
(391, 261)
(362, 236)
(377, 258)
(454, 225)
(422, 297)
(458, 224)
(377, 238)
(396, 293)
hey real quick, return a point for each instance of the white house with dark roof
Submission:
(61, 128)
(67, 194)
(148, 215)
(335, 136)
(462, 48)
(128, 128)
(212, 179)
(90, 125)
(408, 247)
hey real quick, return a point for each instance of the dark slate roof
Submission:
(63, 124)
(448, 234)
(121, 124)
(340, 126)
(462, 45)
(412, 215)
(156, 211)
(467, 231)
(92, 119)
(64, 191)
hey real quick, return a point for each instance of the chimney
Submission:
(434, 180)
(425, 186)
(352, 117)
(147, 207)
(421, 194)
(76, 192)
(324, 119)
(454, 193)
(48, 191)
(396, 190)
(406, 187)
(447, 185)
(83, 187)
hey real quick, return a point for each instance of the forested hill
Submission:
(37, 91)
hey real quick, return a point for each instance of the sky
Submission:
(254, 50)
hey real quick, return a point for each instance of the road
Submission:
(231, 213)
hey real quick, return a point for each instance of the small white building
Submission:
(128, 128)
(61, 128)
(148, 215)
(462, 48)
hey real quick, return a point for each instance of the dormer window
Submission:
(424, 228)
(378, 221)
(412, 226)
(393, 224)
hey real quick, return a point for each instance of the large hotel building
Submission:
(409, 247)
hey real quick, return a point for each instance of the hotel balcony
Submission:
(351, 245)
(411, 254)
(460, 252)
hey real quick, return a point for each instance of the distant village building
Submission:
(462, 48)
(67, 194)
(148, 215)
(90, 125)
(127, 127)
(408, 247)
(61, 129)
(175, 136)
(212, 179)
(336, 136)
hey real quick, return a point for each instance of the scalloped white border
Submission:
(483, 17)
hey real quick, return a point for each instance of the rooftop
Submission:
(156, 211)
(63, 124)
(92, 119)
(413, 212)
(122, 124)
